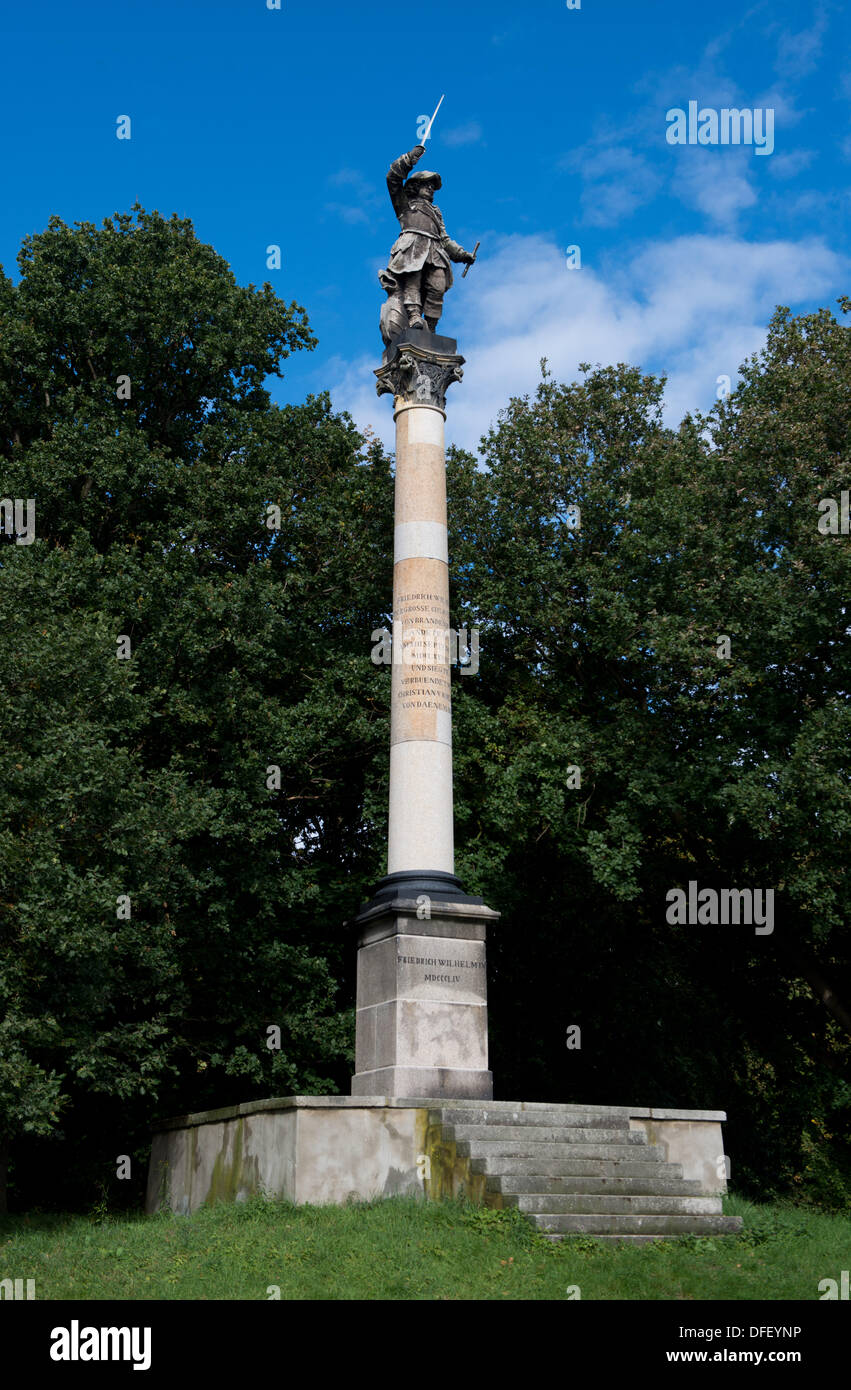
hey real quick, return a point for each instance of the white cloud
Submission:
(692, 308)
(469, 134)
(798, 54)
(364, 196)
(788, 166)
(617, 182)
(349, 212)
(626, 165)
(717, 182)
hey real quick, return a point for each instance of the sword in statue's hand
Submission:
(469, 263)
(431, 122)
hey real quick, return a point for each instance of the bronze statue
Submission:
(419, 272)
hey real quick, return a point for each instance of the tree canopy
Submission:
(196, 739)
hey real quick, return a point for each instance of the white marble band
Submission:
(420, 540)
(418, 406)
(420, 828)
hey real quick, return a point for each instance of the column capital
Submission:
(417, 369)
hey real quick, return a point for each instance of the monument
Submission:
(421, 1118)
(421, 985)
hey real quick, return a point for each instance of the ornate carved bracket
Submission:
(416, 375)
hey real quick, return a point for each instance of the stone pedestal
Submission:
(422, 1000)
(421, 989)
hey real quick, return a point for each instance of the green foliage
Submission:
(250, 646)
(599, 650)
(500, 1221)
(250, 649)
(409, 1250)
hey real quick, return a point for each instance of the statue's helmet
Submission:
(424, 176)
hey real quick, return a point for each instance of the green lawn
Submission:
(405, 1249)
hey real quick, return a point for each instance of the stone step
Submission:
(520, 1148)
(654, 1186)
(593, 1223)
(540, 1166)
(548, 1204)
(527, 1107)
(540, 1134)
(611, 1240)
(550, 1119)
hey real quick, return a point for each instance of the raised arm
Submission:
(398, 172)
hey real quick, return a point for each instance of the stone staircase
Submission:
(572, 1170)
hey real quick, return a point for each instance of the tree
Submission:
(600, 650)
(169, 638)
(196, 739)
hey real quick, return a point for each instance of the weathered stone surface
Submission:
(362, 1152)
(423, 1034)
(499, 1134)
(590, 1165)
(458, 921)
(661, 1226)
(608, 1187)
(413, 967)
(520, 1148)
(334, 1148)
(318, 1154)
(695, 1141)
(421, 1002)
(541, 1119)
(473, 1085)
(664, 1204)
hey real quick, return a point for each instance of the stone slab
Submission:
(425, 1034)
(455, 1081)
(421, 338)
(413, 967)
(693, 1139)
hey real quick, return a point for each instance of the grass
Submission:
(404, 1249)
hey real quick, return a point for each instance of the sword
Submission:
(469, 263)
(431, 122)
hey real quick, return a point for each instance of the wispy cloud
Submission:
(788, 166)
(469, 134)
(625, 166)
(363, 201)
(798, 53)
(719, 185)
(693, 309)
(616, 182)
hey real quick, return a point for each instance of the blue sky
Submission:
(273, 126)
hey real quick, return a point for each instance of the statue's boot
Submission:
(415, 318)
(432, 323)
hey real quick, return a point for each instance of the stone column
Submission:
(420, 827)
(421, 991)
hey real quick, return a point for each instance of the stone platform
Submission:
(614, 1172)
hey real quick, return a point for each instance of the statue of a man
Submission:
(419, 273)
